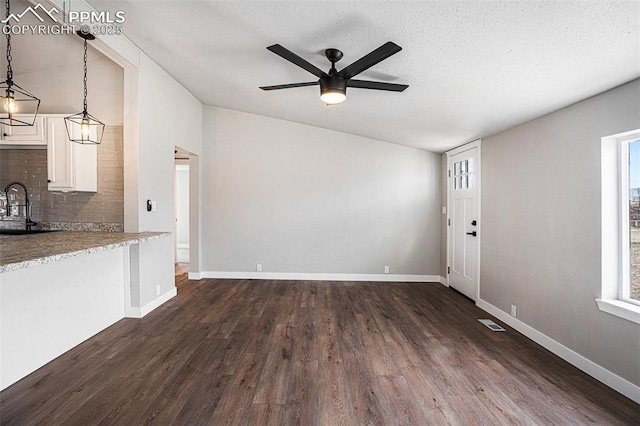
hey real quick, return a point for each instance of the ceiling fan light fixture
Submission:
(331, 97)
(333, 89)
(333, 84)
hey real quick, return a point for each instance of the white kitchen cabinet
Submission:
(25, 135)
(70, 166)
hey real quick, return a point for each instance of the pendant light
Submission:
(83, 127)
(19, 107)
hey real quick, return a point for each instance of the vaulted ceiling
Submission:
(474, 68)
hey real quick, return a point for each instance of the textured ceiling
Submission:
(34, 53)
(473, 68)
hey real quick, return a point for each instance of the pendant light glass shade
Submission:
(18, 107)
(83, 127)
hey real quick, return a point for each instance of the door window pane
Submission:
(462, 174)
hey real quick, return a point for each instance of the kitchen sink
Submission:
(24, 231)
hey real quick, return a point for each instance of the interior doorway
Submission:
(182, 206)
(463, 209)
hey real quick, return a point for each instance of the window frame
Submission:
(616, 286)
(624, 288)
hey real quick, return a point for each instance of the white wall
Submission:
(541, 230)
(47, 309)
(60, 89)
(167, 115)
(300, 199)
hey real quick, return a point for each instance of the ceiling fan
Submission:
(333, 85)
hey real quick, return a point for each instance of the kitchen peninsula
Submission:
(57, 289)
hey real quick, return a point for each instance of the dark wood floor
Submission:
(227, 352)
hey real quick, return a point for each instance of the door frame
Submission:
(181, 165)
(194, 211)
(475, 144)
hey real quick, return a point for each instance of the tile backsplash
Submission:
(29, 166)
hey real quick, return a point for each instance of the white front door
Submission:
(463, 218)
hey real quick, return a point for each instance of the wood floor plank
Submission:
(360, 385)
(265, 414)
(335, 404)
(372, 340)
(304, 341)
(398, 403)
(386, 317)
(273, 382)
(263, 331)
(164, 406)
(263, 352)
(235, 402)
(202, 404)
(431, 392)
(303, 396)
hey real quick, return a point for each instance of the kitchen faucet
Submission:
(28, 222)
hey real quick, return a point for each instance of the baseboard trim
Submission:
(596, 371)
(444, 281)
(194, 275)
(316, 277)
(135, 312)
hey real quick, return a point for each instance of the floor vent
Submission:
(492, 325)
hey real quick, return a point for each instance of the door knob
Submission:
(473, 234)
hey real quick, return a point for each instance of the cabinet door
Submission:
(60, 156)
(71, 166)
(25, 135)
(85, 168)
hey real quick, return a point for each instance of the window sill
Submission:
(620, 309)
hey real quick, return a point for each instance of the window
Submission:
(621, 226)
(463, 174)
(630, 196)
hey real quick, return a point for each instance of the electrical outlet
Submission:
(259, 267)
(157, 290)
(514, 312)
(386, 269)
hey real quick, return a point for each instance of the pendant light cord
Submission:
(9, 69)
(85, 76)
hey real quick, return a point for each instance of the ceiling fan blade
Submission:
(292, 57)
(290, 86)
(377, 85)
(367, 61)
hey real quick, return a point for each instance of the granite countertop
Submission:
(23, 251)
